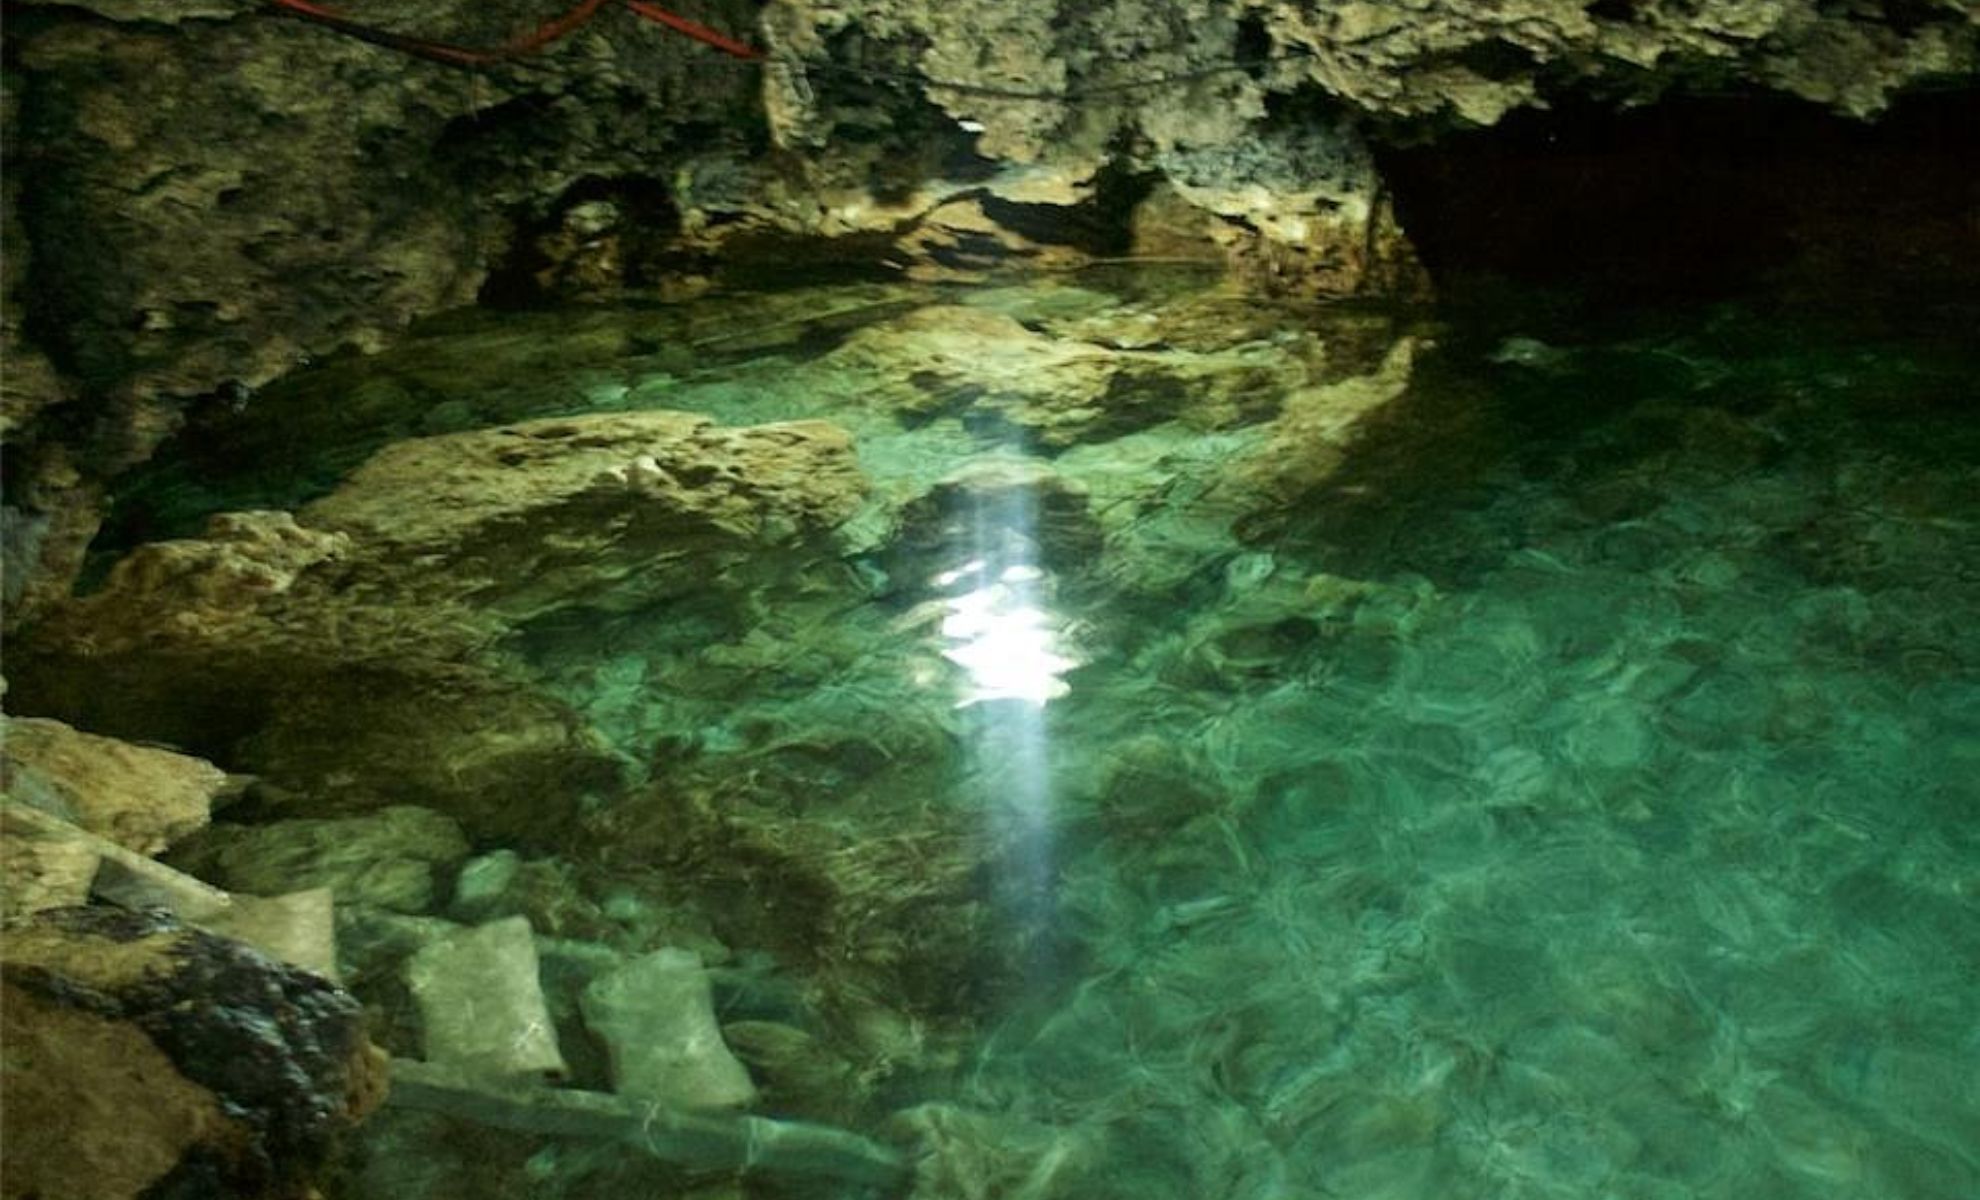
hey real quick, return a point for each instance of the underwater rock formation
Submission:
(606, 511)
(268, 636)
(248, 634)
(992, 372)
(396, 858)
(149, 1059)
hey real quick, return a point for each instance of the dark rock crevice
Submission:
(1702, 197)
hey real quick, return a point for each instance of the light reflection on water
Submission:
(1002, 636)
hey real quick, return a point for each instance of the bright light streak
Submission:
(1003, 638)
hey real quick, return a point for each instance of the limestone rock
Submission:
(396, 858)
(251, 643)
(657, 1018)
(139, 797)
(1052, 390)
(1298, 208)
(481, 1003)
(174, 616)
(955, 358)
(147, 1058)
(40, 868)
(483, 744)
(298, 929)
(617, 507)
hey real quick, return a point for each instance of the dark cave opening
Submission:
(1701, 198)
(622, 227)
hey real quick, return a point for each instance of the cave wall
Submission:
(202, 195)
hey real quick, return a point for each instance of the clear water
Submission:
(1573, 794)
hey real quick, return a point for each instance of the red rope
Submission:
(530, 43)
(694, 29)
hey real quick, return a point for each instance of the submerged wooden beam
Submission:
(719, 1141)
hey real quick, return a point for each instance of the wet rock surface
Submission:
(142, 798)
(268, 635)
(146, 1058)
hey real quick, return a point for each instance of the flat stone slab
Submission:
(656, 1015)
(481, 1003)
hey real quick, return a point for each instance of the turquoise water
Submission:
(1338, 753)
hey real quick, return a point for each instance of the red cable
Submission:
(544, 35)
(694, 29)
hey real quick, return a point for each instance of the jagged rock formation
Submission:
(206, 196)
(262, 638)
(182, 1064)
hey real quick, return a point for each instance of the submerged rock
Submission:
(1005, 379)
(964, 1155)
(399, 858)
(605, 511)
(358, 666)
(148, 1058)
(800, 1075)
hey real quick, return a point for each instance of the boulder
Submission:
(148, 1058)
(40, 867)
(140, 797)
(612, 510)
